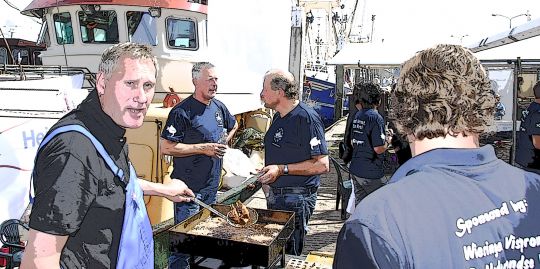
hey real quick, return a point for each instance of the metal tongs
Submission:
(253, 215)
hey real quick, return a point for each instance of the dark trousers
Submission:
(364, 186)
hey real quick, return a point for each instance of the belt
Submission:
(294, 190)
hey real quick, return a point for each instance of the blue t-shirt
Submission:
(447, 208)
(526, 154)
(367, 132)
(297, 137)
(192, 122)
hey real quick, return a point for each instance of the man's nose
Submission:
(140, 95)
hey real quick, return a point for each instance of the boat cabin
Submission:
(76, 32)
(20, 51)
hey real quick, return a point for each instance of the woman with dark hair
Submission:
(368, 140)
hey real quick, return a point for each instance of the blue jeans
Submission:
(302, 202)
(182, 211)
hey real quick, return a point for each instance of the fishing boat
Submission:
(75, 33)
(326, 25)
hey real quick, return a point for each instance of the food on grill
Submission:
(233, 215)
(262, 237)
(239, 213)
(260, 243)
(261, 234)
(273, 226)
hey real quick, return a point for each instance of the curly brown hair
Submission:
(442, 91)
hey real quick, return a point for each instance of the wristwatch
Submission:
(286, 169)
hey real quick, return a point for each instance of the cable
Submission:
(63, 32)
(12, 5)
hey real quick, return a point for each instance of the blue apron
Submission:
(136, 248)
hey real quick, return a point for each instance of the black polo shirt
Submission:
(76, 192)
(294, 138)
(192, 122)
(367, 132)
(526, 154)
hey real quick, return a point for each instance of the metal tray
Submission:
(230, 249)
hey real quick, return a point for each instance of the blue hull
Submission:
(321, 95)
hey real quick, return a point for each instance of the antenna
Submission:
(10, 29)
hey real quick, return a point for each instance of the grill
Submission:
(261, 244)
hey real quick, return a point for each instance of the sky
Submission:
(415, 23)
(15, 24)
(423, 23)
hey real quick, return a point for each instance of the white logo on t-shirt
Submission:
(278, 135)
(314, 142)
(171, 130)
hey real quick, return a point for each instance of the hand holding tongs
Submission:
(253, 213)
(203, 204)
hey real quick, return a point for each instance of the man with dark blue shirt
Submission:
(454, 204)
(193, 136)
(368, 141)
(295, 154)
(528, 139)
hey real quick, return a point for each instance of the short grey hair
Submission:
(110, 57)
(198, 67)
(284, 80)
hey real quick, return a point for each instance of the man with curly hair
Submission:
(454, 204)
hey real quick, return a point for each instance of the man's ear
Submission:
(282, 91)
(100, 85)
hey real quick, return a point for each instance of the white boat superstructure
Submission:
(77, 32)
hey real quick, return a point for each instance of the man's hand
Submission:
(269, 174)
(214, 149)
(178, 191)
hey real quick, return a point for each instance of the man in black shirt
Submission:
(78, 212)
(528, 138)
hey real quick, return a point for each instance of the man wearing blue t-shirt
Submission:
(368, 141)
(295, 154)
(528, 139)
(192, 136)
(454, 204)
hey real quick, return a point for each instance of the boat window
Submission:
(37, 59)
(141, 28)
(63, 28)
(182, 34)
(20, 56)
(99, 27)
(43, 37)
(23, 57)
(3, 56)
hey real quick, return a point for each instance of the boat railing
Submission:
(31, 72)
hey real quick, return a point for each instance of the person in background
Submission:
(369, 141)
(399, 145)
(78, 211)
(454, 204)
(196, 134)
(295, 154)
(528, 136)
